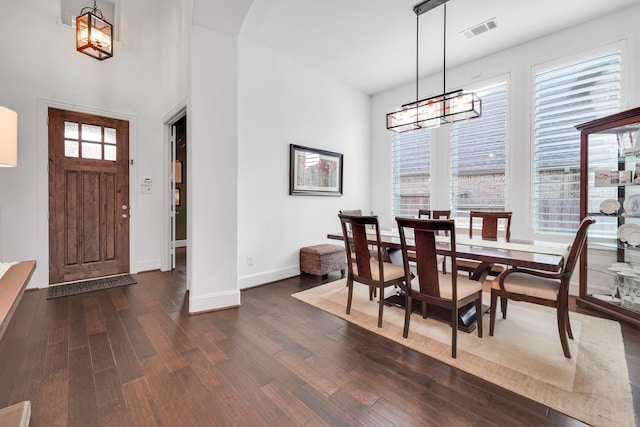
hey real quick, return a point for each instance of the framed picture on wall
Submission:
(314, 172)
(178, 172)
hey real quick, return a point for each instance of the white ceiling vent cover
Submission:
(480, 28)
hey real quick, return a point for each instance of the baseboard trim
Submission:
(213, 302)
(268, 276)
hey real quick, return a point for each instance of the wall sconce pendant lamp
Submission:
(8, 137)
(94, 35)
(430, 112)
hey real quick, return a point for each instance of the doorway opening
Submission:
(180, 195)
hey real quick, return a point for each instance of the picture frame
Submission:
(178, 177)
(314, 172)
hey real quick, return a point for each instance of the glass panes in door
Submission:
(89, 141)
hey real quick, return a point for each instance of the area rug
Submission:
(523, 356)
(74, 288)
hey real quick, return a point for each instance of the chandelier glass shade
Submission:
(449, 107)
(94, 35)
(432, 112)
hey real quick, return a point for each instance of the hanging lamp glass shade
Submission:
(8, 137)
(432, 112)
(94, 35)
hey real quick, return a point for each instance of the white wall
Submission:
(516, 66)
(43, 68)
(283, 102)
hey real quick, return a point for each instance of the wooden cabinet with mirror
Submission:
(610, 193)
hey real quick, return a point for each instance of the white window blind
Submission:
(410, 172)
(478, 156)
(565, 97)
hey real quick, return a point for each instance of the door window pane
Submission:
(91, 151)
(71, 130)
(71, 148)
(109, 136)
(110, 152)
(91, 133)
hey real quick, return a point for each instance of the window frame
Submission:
(549, 65)
(463, 221)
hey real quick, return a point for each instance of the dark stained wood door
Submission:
(88, 196)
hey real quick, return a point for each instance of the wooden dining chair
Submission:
(436, 214)
(430, 287)
(365, 268)
(490, 230)
(541, 287)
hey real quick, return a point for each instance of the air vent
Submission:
(480, 28)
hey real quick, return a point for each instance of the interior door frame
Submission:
(41, 278)
(169, 120)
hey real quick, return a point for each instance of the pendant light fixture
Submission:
(430, 112)
(94, 35)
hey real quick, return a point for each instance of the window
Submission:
(89, 141)
(478, 156)
(565, 97)
(410, 173)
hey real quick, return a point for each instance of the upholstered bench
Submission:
(322, 259)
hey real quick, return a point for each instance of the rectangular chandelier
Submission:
(449, 107)
(432, 112)
(94, 35)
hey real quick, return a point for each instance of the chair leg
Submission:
(444, 266)
(492, 312)
(569, 332)
(479, 314)
(381, 304)
(454, 330)
(349, 294)
(407, 314)
(424, 309)
(562, 331)
(503, 305)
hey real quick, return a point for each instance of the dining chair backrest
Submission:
(424, 240)
(440, 214)
(352, 212)
(434, 214)
(354, 230)
(576, 246)
(490, 224)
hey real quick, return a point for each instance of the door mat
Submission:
(74, 288)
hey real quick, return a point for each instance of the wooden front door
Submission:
(88, 196)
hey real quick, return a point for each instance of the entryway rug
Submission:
(523, 356)
(74, 288)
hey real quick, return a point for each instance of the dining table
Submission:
(543, 256)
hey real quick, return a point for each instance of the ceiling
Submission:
(371, 45)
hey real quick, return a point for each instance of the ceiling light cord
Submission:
(417, 57)
(444, 52)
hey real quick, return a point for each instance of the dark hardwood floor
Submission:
(130, 356)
